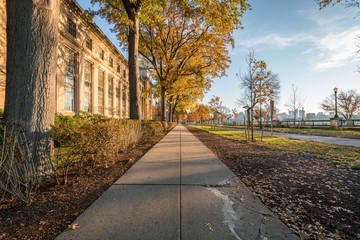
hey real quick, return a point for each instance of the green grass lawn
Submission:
(336, 154)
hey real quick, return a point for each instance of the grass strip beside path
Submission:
(347, 156)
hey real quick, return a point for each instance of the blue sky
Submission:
(308, 48)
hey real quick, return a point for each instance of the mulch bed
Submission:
(316, 199)
(54, 207)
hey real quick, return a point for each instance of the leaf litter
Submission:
(312, 196)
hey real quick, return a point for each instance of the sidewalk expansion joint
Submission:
(180, 196)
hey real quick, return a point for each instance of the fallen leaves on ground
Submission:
(55, 207)
(73, 226)
(209, 226)
(316, 199)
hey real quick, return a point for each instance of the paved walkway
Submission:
(332, 140)
(178, 190)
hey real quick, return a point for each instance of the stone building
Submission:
(92, 75)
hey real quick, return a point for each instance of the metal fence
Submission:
(319, 123)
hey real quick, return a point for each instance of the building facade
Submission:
(92, 75)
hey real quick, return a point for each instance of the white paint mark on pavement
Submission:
(228, 211)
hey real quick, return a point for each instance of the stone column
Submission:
(334, 123)
(106, 85)
(94, 95)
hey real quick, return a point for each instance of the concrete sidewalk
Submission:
(178, 190)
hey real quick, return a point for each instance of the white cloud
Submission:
(323, 18)
(278, 40)
(326, 50)
(336, 48)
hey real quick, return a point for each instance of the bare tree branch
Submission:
(348, 103)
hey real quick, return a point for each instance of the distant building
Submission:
(301, 115)
(291, 115)
(310, 116)
(92, 75)
(284, 116)
(321, 116)
(357, 116)
(240, 118)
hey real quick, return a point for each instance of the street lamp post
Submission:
(335, 92)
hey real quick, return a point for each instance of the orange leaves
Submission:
(73, 226)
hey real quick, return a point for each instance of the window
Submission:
(124, 101)
(71, 27)
(101, 80)
(70, 79)
(118, 68)
(110, 94)
(102, 54)
(111, 62)
(117, 95)
(88, 82)
(124, 73)
(89, 43)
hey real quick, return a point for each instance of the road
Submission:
(331, 140)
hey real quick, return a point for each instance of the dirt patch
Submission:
(55, 206)
(316, 199)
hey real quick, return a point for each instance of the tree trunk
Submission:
(32, 38)
(163, 103)
(173, 113)
(248, 124)
(260, 116)
(252, 125)
(169, 112)
(133, 51)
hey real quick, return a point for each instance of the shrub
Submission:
(170, 125)
(67, 128)
(91, 141)
(165, 125)
(18, 172)
(97, 144)
(151, 128)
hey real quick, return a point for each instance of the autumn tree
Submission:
(200, 112)
(215, 104)
(126, 15)
(32, 40)
(185, 92)
(223, 113)
(347, 3)
(295, 101)
(187, 41)
(234, 113)
(348, 103)
(258, 85)
(266, 112)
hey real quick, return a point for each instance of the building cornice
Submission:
(79, 11)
